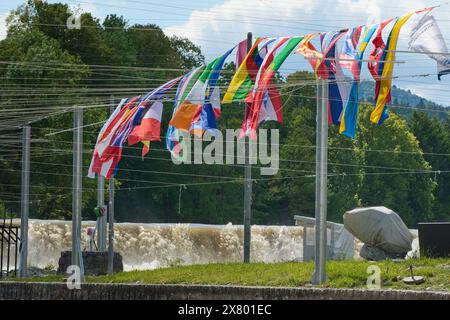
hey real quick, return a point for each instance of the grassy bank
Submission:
(341, 274)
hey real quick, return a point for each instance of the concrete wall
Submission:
(59, 291)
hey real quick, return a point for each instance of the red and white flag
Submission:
(149, 129)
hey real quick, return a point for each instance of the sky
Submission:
(217, 25)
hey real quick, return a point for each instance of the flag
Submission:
(241, 53)
(348, 58)
(103, 168)
(149, 129)
(146, 123)
(124, 120)
(190, 109)
(264, 80)
(206, 117)
(271, 108)
(153, 95)
(325, 67)
(106, 153)
(307, 49)
(376, 59)
(351, 51)
(96, 165)
(426, 37)
(316, 57)
(244, 78)
(115, 128)
(386, 69)
(192, 103)
(376, 63)
(337, 85)
(183, 89)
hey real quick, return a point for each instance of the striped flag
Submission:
(264, 80)
(375, 64)
(325, 67)
(186, 84)
(123, 121)
(386, 70)
(351, 51)
(149, 129)
(337, 86)
(105, 157)
(200, 95)
(243, 80)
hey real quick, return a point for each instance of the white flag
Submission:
(426, 37)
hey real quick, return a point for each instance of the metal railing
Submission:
(333, 231)
(9, 246)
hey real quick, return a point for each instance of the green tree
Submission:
(59, 67)
(434, 140)
(44, 84)
(293, 190)
(396, 179)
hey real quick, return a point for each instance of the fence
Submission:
(9, 246)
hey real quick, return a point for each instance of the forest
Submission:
(47, 68)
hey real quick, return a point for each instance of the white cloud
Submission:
(215, 28)
(219, 27)
(86, 6)
(3, 28)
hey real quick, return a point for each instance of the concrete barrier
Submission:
(94, 291)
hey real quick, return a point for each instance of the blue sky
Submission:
(217, 25)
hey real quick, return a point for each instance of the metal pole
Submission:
(247, 185)
(1, 243)
(25, 202)
(8, 248)
(111, 217)
(77, 187)
(319, 275)
(101, 220)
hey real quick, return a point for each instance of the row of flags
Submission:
(197, 103)
(134, 120)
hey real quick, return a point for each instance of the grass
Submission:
(341, 274)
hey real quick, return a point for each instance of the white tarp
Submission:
(379, 227)
(344, 243)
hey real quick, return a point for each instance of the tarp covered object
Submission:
(379, 227)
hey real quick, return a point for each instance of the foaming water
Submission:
(150, 246)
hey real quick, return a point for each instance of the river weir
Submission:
(151, 246)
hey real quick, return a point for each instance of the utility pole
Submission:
(320, 257)
(111, 216)
(77, 258)
(25, 202)
(247, 185)
(101, 219)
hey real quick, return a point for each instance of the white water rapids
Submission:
(150, 246)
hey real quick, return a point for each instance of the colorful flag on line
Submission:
(351, 51)
(149, 129)
(264, 82)
(426, 37)
(183, 89)
(386, 70)
(244, 78)
(201, 95)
